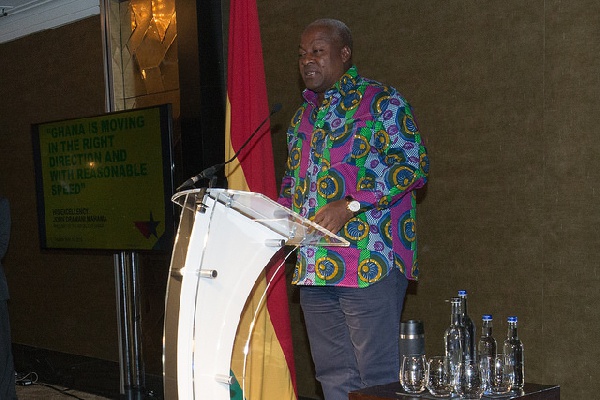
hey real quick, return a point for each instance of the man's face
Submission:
(322, 59)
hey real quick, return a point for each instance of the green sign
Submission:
(105, 182)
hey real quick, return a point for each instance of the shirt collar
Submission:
(349, 76)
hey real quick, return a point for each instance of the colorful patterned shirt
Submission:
(362, 141)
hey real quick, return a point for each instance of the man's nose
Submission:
(306, 59)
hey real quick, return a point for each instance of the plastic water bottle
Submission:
(454, 339)
(486, 348)
(513, 349)
(470, 347)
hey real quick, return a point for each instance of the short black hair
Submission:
(339, 29)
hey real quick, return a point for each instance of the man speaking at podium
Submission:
(355, 157)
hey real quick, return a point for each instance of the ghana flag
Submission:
(269, 369)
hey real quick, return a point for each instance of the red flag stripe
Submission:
(247, 94)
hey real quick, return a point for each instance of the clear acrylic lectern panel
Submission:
(262, 210)
(224, 241)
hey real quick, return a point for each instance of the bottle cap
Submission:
(462, 293)
(512, 318)
(487, 317)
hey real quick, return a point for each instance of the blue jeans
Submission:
(354, 333)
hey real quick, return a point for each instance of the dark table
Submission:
(531, 391)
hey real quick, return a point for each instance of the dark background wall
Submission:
(506, 97)
(57, 298)
(63, 301)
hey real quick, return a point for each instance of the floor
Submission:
(48, 375)
(105, 387)
(43, 391)
(50, 392)
(44, 374)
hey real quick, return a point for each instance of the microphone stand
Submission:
(210, 172)
(213, 181)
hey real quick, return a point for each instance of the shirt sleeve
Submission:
(400, 158)
(285, 196)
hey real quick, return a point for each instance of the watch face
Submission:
(354, 206)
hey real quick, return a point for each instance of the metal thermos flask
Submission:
(412, 337)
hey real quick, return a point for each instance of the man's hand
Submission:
(334, 215)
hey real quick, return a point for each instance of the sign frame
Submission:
(105, 182)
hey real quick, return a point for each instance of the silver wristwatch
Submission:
(352, 205)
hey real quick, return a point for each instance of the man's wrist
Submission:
(352, 205)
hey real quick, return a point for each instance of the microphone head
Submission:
(276, 108)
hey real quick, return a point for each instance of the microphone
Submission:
(211, 171)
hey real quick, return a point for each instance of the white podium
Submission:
(224, 241)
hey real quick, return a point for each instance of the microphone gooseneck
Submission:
(211, 171)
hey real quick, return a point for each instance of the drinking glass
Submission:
(485, 363)
(501, 375)
(439, 377)
(469, 383)
(412, 373)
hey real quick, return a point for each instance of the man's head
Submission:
(324, 54)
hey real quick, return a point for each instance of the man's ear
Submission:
(346, 54)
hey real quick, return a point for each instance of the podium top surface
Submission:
(261, 209)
